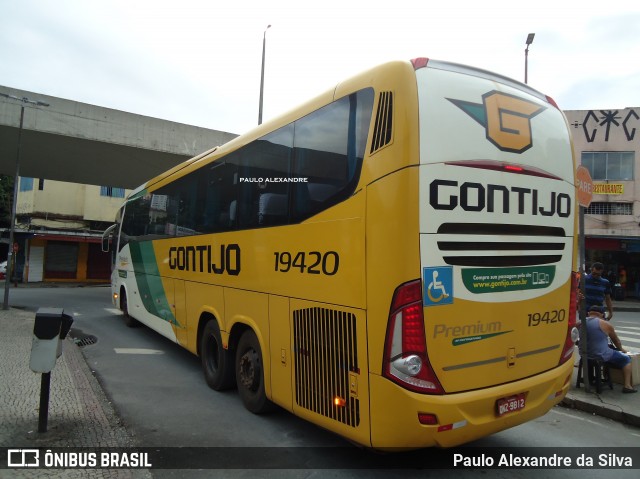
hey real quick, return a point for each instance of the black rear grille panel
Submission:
(325, 352)
(500, 245)
(488, 246)
(501, 261)
(500, 229)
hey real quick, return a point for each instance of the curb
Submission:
(608, 411)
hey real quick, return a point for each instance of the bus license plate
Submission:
(510, 404)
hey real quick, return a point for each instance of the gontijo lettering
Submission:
(471, 196)
(203, 259)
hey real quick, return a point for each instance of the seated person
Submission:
(599, 332)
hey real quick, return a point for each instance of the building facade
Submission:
(607, 143)
(59, 229)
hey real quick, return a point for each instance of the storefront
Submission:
(60, 258)
(621, 260)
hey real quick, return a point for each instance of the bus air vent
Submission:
(325, 354)
(382, 133)
(501, 245)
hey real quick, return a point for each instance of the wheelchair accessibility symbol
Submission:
(438, 285)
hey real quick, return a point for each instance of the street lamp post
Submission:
(11, 253)
(264, 43)
(526, 56)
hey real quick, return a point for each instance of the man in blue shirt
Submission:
(597, 289)
(599, 332)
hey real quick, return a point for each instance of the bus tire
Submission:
(250, 374)
(124, 307)
(217, 362)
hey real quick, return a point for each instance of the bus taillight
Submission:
(405, 360)
(572, 331)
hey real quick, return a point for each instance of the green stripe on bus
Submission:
(149, 282)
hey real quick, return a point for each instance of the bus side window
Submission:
(220, 199)
(263, 196)
(329, 147)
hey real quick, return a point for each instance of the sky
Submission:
(198, 62)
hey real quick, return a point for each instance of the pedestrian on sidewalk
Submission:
(599, 332)
(597, 289)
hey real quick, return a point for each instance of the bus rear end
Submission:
(482, 341)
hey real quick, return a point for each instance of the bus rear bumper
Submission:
(461, 417)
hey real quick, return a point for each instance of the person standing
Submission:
(598, 289)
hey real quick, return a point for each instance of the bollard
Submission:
(51, 326)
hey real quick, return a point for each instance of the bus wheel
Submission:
(128, 320)
(250, 374)
(217, 363)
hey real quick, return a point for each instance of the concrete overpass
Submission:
(82, 143)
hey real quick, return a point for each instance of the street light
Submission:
(526, 55)
(10, 253)
(264, 42)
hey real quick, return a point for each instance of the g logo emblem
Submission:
(506, 119)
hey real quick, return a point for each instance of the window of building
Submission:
(112, 191)
(26, 184)
(609, 165)
(41, 184)
(603, 208)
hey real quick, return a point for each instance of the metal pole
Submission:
(43, 415)
(526, 63)
(529, 41)
(264, 44)
(10, 254)
(16, 179)
(583, 303)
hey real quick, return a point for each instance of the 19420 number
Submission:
(548, 317)
(313, 262)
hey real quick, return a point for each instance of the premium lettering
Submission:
(206, 259)
(466, 329)
(471, 196)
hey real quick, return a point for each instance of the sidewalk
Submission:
(611, 404)
(79, 413)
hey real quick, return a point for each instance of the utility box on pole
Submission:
(51, 326)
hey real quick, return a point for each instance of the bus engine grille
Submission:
(325, 353)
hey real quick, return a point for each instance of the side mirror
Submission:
(106, 237)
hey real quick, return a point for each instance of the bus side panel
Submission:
(329, 349)
(393, 255)
(201, 299)
(320, 259)
(149, 299)
(174, 294)
(281, 352)
(252, 309)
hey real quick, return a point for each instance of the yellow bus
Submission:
(391, 261)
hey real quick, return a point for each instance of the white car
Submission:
(3, 269)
